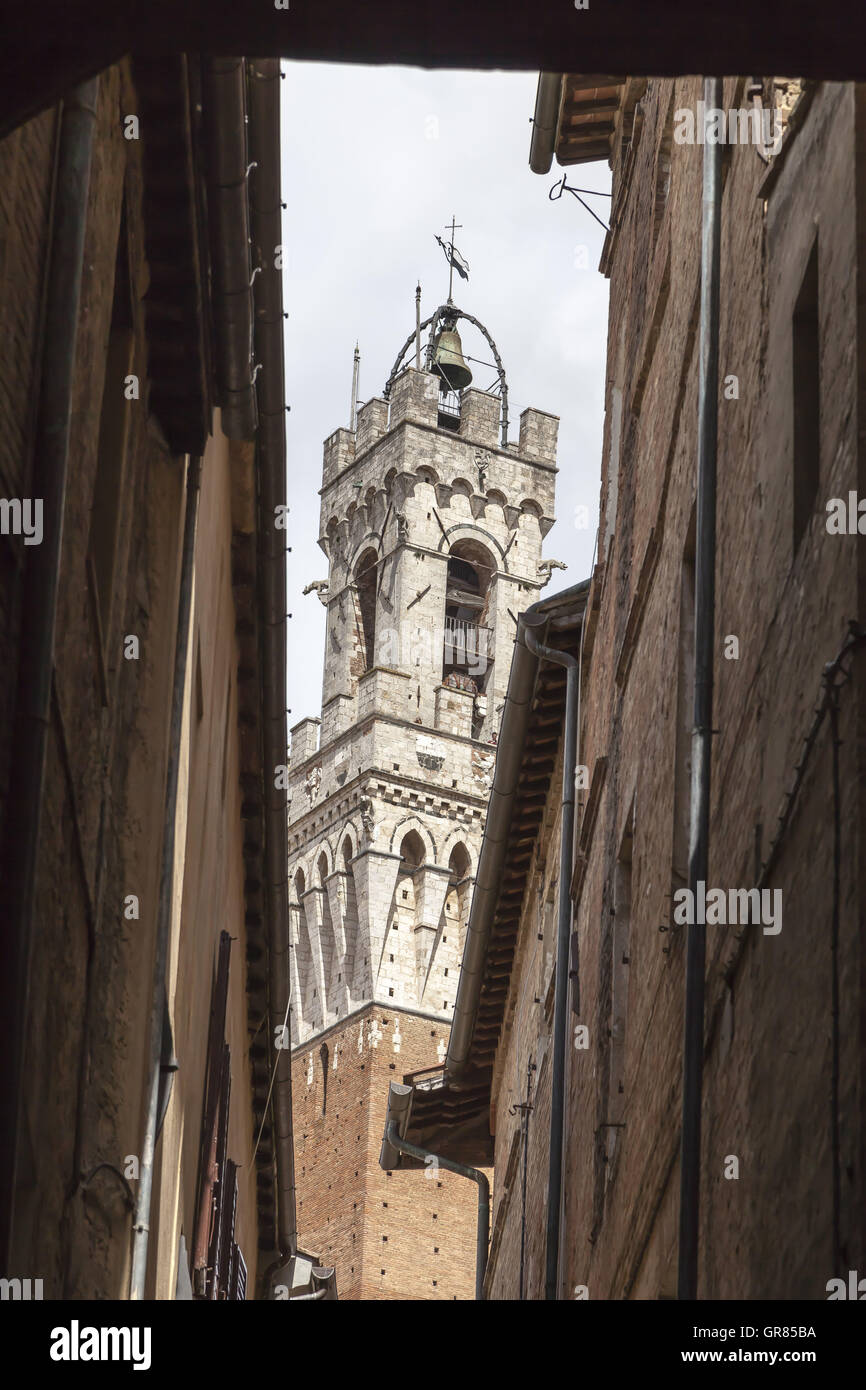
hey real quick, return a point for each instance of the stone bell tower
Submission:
(432, 524)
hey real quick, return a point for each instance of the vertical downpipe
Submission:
(563, 942)
(699, 818)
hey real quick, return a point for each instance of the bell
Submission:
(448, 363)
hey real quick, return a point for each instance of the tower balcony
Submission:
(468, 646)
(449, 411)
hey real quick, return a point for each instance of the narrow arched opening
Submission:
(365, 589)
(468, 646)
(459, 891)
(323, 1062)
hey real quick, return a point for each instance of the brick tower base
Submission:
(406, 1235)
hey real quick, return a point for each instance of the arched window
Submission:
(305, 972)
(412, 856)
(458, 863)
(468, 635)
(332, 962)
(412, 851)
(459, 890)
(365, 587)
(350, 986)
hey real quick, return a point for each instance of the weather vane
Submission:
(453, 256)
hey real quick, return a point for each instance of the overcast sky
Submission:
(375, 161)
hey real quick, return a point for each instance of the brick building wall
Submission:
(770, 1232)
(400, 1236)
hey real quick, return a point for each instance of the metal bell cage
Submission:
(444, 357)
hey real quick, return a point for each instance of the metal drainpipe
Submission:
(574, 959)
(392, 1135)
(545, 121)
(563, 936)
(699, 816)
(39, 616)
(166, 889)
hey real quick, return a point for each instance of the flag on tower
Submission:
(454, 258)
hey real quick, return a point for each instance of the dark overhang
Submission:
(580, 118)
(175, 305)
(54, 45)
